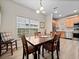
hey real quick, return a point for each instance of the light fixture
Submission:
(43, 12)
(37, 11)
(41, 9)
(60, 15)
(55, 13)
(55, 10)
(75, 10)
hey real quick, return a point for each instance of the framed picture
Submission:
(42, 24)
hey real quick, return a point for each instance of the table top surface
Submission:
(38, 40)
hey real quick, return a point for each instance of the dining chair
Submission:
(27, 49)
(37, 34)
(52, 46)
(52, 34)
(2, 46)
(7, 40)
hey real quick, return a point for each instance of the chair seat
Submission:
(52, 45)
(31, 49)
(26, 48)
(11, 40)
(49, 47)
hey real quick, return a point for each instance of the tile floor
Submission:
(69, 50)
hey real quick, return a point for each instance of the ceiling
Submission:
(65, 7)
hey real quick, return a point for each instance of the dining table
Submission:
(37, 41)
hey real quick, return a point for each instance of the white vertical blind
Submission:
(24, 23)
(27, 26)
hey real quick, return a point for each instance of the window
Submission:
(27, 26)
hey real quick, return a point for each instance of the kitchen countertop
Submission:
(75, 31)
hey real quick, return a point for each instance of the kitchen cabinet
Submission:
(62, 33)
(76, 19)
(69, 23)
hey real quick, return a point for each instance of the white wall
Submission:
(0, 16)
(62, 25)
(10, 10)
(48, 24)
(0, 19)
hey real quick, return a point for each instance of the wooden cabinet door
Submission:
(69, 23)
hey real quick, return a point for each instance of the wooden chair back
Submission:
(37, 33)
(52, 34)
(1, 38)
(55, 40)
(24, 43)
(6, 36)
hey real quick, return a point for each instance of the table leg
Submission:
(59, 45)
(11, 49)
(39, 53)
(0, 49)
(35, 55)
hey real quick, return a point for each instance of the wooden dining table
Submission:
(38, 41)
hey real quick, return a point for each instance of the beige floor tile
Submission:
(69, 50)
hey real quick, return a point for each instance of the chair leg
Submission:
(27, 56)
(39, 49)
(43, 51)
(35, 55)
(11, 49)
(59, 45)
(38, 54)
(6, 47)
(16, 44)
(0, 49)
(57, 53)
(52, 55)
(23, 55)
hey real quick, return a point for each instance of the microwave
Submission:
(76, 26)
